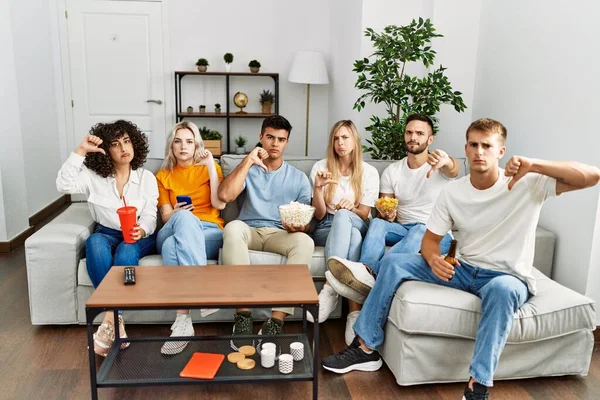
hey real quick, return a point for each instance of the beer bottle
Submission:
(451, 256)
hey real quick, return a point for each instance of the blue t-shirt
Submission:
(266, 191)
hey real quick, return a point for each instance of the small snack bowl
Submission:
(386, 204)
(296, 214)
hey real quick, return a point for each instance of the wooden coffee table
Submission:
(213, 286)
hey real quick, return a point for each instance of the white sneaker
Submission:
(328, 301)
(343, 290)
(181, 327)
(349, 333)
(351, 273)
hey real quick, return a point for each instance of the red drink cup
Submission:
(127, 216)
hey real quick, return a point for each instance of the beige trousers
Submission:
(238, 238)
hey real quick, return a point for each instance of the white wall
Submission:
(14, 218)
(41, 149)
(267, 30)
(537, 73)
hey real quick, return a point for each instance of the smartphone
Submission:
(184, 199)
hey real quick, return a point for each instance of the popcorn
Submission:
(296, 214)
(386, 204)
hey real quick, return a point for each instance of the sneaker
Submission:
(182, 327)
(351, 273)
(479, 392)
(349, 333)
(272, 326)
(343, 290)
(328, 301)
(352, 358)
(242, 325)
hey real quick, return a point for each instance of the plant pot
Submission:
(254, 70)
(217, 111)
(190, 109)
(202, 68)
(240, 150)
(267, 107)
(214, 146)
(227, 67)
(202, 110)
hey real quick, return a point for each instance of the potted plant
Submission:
(228, 57)
(266, 99)
(240, 142)
(190, 109)
(202, 108)
(217, 108)
(383, 79)
(202, 64)
(254, 66)
(212, 140)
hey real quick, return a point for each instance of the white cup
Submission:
(267, 357)
(286, 363)
(268, 345)
(297, 350)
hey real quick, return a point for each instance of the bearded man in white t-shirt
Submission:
(495, 212)
(416, 184)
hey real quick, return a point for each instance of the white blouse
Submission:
(370, 186)
(103, 198)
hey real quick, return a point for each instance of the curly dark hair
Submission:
(108, 132)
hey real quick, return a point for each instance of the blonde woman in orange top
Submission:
(192, 232)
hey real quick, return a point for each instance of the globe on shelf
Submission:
(240, 100)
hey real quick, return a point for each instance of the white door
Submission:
(116, 63)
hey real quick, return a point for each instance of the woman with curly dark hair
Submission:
(106, 167)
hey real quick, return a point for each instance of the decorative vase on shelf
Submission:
(267, 107)
(227, 67)
(190, 109)
(202, 109)
(240, 150)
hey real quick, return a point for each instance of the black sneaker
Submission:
(242, 326)
(352, 358)
(272, 326)
(479, 392)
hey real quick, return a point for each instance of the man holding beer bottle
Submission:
(495, 212)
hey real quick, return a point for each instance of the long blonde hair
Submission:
(333, 162)
(170, 161)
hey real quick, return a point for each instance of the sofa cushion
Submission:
(555, 311)
(317, 268)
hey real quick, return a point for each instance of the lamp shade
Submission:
(308, 67)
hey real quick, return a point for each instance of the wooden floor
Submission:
(50, 362)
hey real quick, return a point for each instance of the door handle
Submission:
(159, 102)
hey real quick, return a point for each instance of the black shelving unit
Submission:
(228, 115)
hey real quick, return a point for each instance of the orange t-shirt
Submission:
(192, 181)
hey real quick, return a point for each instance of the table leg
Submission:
(315, 312)
(92, 359)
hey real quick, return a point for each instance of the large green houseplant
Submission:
(383, 80)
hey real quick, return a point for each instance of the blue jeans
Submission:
(501, 297)
(341, 234)
(404, 238)
(187, 240)
(105, 248)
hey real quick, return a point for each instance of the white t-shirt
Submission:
(370, 186)
(496, 227)
(103, 198)
(415, 192)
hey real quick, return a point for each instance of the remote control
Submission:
(129, 276)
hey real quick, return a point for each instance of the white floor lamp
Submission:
(308, 67)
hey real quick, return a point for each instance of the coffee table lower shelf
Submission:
(143, 364)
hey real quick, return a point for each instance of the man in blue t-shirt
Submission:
(268, 182)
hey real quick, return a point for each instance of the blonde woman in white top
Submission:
(344, 190)
(106, 166)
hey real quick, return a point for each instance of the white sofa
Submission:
(430, 330)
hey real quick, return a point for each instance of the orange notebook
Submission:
(202, 366)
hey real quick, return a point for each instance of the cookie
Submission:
(247, 350)
(246, 363)
(235, 357)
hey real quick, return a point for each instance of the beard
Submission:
(417, 150)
